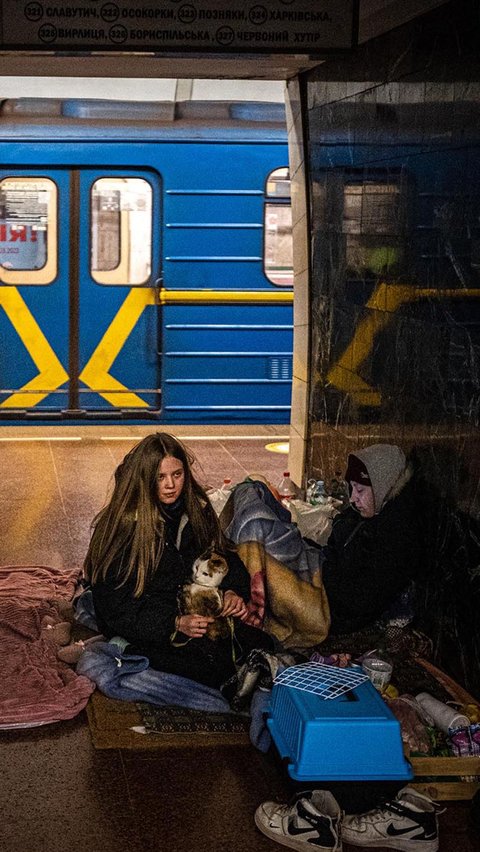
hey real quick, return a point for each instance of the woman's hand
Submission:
(194, 626)
(233, 605)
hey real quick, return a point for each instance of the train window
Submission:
(278, 245)
(28, 230)
(373, 224)
(121, 231)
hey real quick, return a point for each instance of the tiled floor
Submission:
(57, 793)
(54, 483)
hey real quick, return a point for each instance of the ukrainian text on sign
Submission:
(293, 26)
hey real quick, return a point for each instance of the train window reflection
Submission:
(28, 230)
(121, 231)
(278, 245)
(374, 223)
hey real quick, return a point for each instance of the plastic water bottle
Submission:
(320, 493)
(219, 496)
(226, 487)
(286, 488)
(310, 492)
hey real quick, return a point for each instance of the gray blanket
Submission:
(257, 516)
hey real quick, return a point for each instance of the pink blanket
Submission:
(35, 582)
(35, 687)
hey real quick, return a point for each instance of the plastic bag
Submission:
(218, 499)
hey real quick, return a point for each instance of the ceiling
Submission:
(375, 17)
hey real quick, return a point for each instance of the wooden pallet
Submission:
(452, 778)
(447, 777)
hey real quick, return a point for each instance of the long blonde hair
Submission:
(131, 529)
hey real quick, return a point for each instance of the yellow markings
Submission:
(384, 301)
(51, 372)
(213, 297)
(96, 374)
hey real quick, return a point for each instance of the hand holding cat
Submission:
(194, 626)
(233, 605)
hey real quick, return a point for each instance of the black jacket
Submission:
(369, 562)
(148, 622)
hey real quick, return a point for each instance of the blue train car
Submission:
(145, 262)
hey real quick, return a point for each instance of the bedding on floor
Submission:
(37, 688)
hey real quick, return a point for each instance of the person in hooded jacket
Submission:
(375, 549)
(144, 543)
(373, 556)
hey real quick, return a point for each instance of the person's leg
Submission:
(408, 821)
(249, 638)
(312, 820)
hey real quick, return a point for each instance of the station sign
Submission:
(204, 26)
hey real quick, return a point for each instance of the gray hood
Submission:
(387, 468)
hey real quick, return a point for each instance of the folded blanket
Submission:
(36, 687)
(295, 612)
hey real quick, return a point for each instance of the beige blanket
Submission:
(294, 611)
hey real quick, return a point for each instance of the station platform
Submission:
(59, 793)
(56, 478)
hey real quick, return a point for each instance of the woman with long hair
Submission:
(144, 543)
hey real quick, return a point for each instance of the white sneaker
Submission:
(408, 822)
(310, 821)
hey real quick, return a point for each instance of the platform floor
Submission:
(57, 793)
(54, 481)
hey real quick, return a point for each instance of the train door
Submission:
(79, 277)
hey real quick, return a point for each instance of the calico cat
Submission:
(203, 597)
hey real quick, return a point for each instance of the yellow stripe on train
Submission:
(96, 373)
(383, 303)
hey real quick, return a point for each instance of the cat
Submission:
(203, 597)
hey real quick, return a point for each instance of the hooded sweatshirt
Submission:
(370, 562)
(387, 470)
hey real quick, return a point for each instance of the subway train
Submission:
(145, 262)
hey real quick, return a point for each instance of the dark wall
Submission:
(394, 182)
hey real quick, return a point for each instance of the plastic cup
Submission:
(379, 672)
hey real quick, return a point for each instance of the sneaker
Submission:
(310, 821)
(408, 822)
